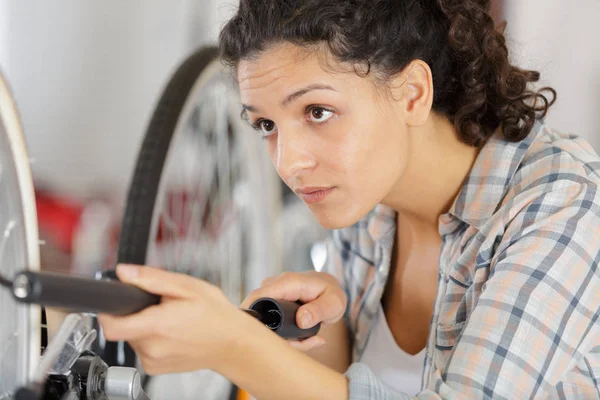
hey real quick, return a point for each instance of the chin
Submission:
(336, 217)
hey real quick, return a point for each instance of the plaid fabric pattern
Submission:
(518, 298)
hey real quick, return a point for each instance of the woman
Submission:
(465, 248)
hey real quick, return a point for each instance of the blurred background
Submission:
(87, 75)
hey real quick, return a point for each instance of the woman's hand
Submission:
(325, 300)
(191, 328)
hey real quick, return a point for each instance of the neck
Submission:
(438, 166)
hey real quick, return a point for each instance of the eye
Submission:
(266, 126)
(319, 114)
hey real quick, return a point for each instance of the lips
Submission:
(314, 195)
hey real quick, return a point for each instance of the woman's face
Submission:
(337, 140)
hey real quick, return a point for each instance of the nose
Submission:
(294, 157)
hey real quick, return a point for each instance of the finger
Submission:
(307, 344)
(159, 281)
(328, 308)
(257, 293)
(253, 296)
(247, 302)
(268, 281)
(131, 327)
(290, 286)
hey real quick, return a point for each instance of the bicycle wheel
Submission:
(204, 199)
(20, 330)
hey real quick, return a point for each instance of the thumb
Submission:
(327, 308)
(158, 281)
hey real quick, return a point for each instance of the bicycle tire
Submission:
(145, 185)
(135, 231)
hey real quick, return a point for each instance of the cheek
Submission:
(359, 153)
(345, 148)
(272, 149)
(371, 159)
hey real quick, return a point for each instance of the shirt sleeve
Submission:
(537, 314)
(364, 385)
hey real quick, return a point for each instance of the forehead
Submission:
(284, 64)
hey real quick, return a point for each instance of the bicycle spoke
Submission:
(198, 221)
(223, 150)
(6, 235)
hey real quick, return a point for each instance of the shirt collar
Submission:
(381, 224)
(480, 195)
(489, 180)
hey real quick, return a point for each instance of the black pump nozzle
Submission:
(280, 317)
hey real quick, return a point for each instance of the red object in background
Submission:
(178, 209)
(58, 218)
(81, 235)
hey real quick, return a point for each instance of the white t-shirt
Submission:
(396, 368)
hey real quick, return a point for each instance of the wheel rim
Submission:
(202, 205)
(206, 222)
(19, 341)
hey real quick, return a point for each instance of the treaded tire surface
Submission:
(137, 219)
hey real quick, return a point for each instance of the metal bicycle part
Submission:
(204, 201)
(20, 330)
(69, 371)
(123, 383)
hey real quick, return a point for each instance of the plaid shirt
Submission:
(518, 296)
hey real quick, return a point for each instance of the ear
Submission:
(416, 96)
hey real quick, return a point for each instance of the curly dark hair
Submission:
(475, 85)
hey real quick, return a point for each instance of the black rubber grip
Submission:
(280, 317)
(80, 294)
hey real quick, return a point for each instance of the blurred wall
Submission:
(86, 75)
(562, 40)
(4, 18)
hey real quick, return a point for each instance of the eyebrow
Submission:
(292, 97)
